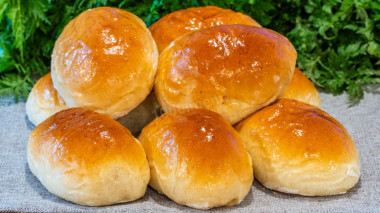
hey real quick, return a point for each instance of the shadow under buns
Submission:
(302, 89)
(233, 70)
(88, 158)
(180, 22)
(105, 60)
(43, 101)
(142, 115)
(197, 159)
(298, 148)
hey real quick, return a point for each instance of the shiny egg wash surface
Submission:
(79, 50)
(302, 89)
(84, 139)
(180, 22)
(234, 66)
(197, 159)
(290, 129)
(46, 93)
(225, 68)
(100, 52)
(195, 141)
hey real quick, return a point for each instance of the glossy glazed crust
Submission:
(233, 70)
(88, 158)
(302, 89)
(298, 148)
(104, 60)
(197, 159)
(180, 22)
(43, 101)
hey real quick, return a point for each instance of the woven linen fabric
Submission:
(22, 192)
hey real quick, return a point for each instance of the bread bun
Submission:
(298, 148)
(302, 89)
(43, 101)
(197, 159)
(104, 60)
(88, 158)
(142, 115)
(180, 22)
(233, 70)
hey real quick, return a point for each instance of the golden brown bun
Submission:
(233, 70)
(197, 159)
(104, 60)
(43, 101)
(298, 148)
(142, 115)
(302, 89)
(88, 158)
(180, 22)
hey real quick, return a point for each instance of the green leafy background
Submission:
(338, 41)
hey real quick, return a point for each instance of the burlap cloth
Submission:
(21, 191)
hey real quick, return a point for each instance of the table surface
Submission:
(21, 191)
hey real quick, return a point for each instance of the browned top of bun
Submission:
(234, 56)
(302, 89)
(86, 47)
(200, 142)
(46, 93)
(180, 22)
(83, 138)
(102, 56)
(289, 129)
(236, 63)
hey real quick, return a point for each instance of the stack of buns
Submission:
(104, 60)
(213, 68)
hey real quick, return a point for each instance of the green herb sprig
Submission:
(338, 41)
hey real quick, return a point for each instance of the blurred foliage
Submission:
(338, 41)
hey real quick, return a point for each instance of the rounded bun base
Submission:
(105, 184)
(310, 180)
